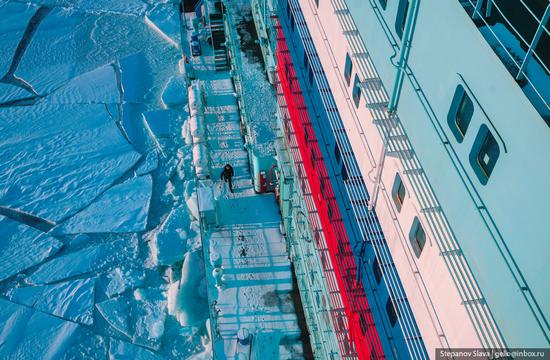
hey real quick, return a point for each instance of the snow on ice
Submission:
(149, 164)
(172, 95)
(123, 208)
(10, 93)
(22, 246)
(121, 280)
(149, 323)
(189, 303)
(121, 350)
(168, 241)
(66, 155)
(93, 105)
(116, 312)
(167, 26)
(15, 17)
(71, 300)
(84, 261)
(30, 334)
(160, 121)
(99, 86)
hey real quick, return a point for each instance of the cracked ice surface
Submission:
(34, 335)
(71, 300)
(83, 261)
(128, 204)
(116, 312)
(15, 17)
(97, 86)
(91, 160)
(120, 350)
(22, 246)
(10, 92)
(128, 7)
(58, 159)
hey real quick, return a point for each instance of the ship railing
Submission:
(320, 325)
(431, 214)
(355, 303)
(358, 194)
(337, 313)
(232, 46)
(516, 64)
(329, 285)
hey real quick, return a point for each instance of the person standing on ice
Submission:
(227, 175)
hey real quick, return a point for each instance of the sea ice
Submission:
(123, 7)
(168, 241)
(149, 323)
(71, 300)
(121, 350)
(135, 88)
(134, 126)
(66, 156)
(122, 208)
(121, 280)
(84, 261)
(116, 312)
(190, 304)
(149, 164)
(50, 57)
(22, 246)
(164, 19)
(29, 334)
(97, 86)
(161, 121)
(194, 241)
(191, 199)
(15, 17)
(89, 347)
(175, 92)
(9, 92)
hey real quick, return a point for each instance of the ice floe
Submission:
(161, 122)
(81, 158)
(168, 241)
(149, 164)
(121, 280)
(15, 18)
(149, 320)
(10, 93)
(121, 350)
(191, 199)
(116, 312)
(123, 7)
(175, 92)
(99, 86)
(66, 156)
(22, 246)
(164, 19)
(29, 334)
(122, 208)
(188, 302)
(71, 300)
(84, 261)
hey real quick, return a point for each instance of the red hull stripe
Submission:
(352, 318)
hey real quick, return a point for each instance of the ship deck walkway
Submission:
(257, 278)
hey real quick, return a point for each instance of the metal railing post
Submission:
(534, 42)
(403, 55)
(489, 8)
(477, 10)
